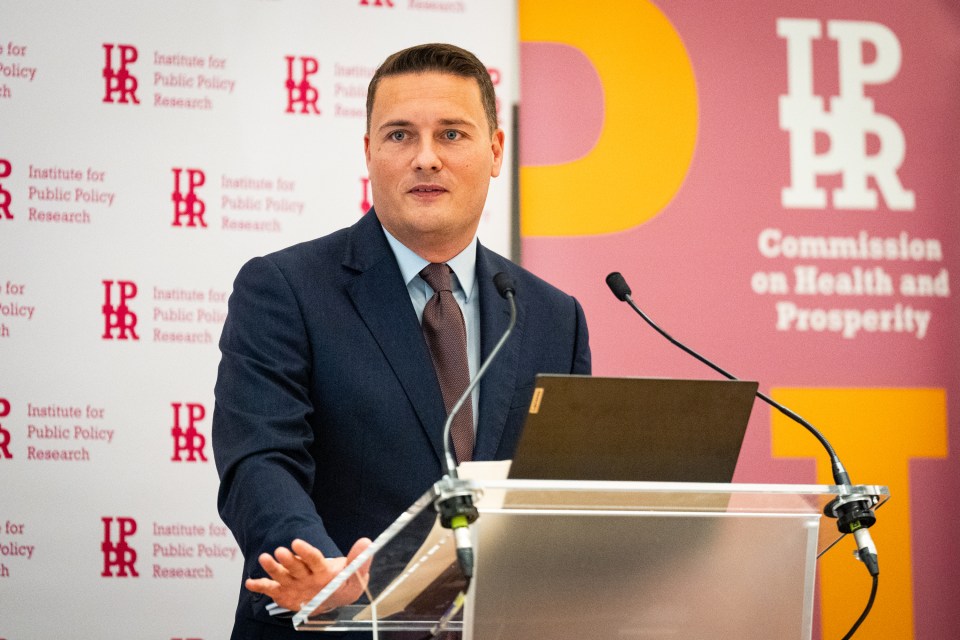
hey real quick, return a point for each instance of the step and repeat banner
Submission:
(777, 180)
(147, 150)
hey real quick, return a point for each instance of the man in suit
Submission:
(329, 411)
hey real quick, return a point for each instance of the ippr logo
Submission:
(119, 80)
(302, 92)
(365, 203)
(5, 198)
(119, 318)
(849, 121)
(118, 555)
(495, 79)
(188, 440)
(377, 3)
(188, 204)
(4, 434)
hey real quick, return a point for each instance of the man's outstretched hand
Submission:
(299, 573)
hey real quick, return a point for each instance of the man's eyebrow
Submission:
(395, 123)
(456, 121)
(446, 122)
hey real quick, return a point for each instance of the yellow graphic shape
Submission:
(650, 119)
(876, 432)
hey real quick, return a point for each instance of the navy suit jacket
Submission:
(328, 415)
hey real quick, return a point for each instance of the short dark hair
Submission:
(444, 58)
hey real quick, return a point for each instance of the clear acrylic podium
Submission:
(573, 560)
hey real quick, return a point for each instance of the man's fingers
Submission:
(266, 586)
(352, 589)
(293, 564)
(274, 591)
(298, 573)
(273, 568)
(359, 547)
(311, 557)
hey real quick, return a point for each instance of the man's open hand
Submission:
(299, 573)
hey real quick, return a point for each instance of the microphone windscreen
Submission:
(503, 283)
(618, 285)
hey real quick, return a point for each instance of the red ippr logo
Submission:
(4, 434)
(302, 92)
(365, 203)
(188, 440)
(119, 80)
(5, 198)
(495, 78)
(188, 204)
(377, 3)
(119, 318)
(118, 555)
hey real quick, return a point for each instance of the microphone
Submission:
(455, 502)
(504, 285)
(854, 514)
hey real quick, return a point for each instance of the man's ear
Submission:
(496, 146)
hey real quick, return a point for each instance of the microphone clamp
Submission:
(854, 515)
(852, 512)
(455, 508)
(454, 500)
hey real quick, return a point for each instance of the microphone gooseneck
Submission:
(854, 514)
(504, 286)
(454, 503)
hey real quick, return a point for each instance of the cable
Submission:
(866, 611)
(840, 475)
(375, 627)
(854, 514)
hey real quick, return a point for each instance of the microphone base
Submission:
(455, 508)
(454, 502)
(852, 512)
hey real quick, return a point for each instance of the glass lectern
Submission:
(573, 560)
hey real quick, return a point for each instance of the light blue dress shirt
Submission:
(464, 282)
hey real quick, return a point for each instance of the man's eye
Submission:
(451, 135)
(398, 135)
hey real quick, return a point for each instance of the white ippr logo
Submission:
(848, 122)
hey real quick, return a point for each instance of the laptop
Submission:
(633, 429)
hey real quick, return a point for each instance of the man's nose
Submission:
(427, 157)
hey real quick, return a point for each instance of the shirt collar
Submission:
(464, 264)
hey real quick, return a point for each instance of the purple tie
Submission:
(446, 336)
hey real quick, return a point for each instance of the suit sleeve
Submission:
(581, 352)
(261, 433)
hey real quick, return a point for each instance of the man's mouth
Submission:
(427, 189)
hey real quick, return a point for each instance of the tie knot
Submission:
(437, 276)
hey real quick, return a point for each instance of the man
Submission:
(329, 409)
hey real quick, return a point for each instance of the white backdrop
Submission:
(114, 276)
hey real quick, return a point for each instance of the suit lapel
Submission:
(381, 299)
(497, 387)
